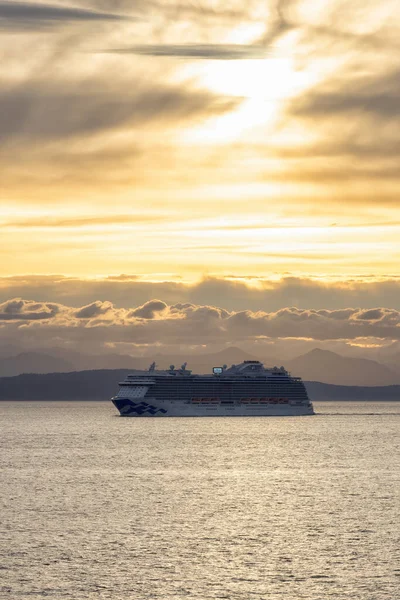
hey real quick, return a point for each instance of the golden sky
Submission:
(167, 139)
(242, 155)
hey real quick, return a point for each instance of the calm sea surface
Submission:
(97, 506)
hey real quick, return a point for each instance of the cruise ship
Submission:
(245, 390)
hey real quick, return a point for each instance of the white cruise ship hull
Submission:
(245, 390)
(155, 408)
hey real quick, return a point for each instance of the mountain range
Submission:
(102, 385)
(317, 365)
(330, 367)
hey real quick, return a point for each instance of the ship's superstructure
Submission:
(247, 389)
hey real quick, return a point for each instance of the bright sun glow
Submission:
(263, 85)
(272, 78)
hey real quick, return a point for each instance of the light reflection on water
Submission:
(96, 506)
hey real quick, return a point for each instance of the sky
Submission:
(226, 157)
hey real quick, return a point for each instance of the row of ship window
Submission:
(242, 401)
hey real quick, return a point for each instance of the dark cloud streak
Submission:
(378, 96)
(26, 15)
(174, 10)
(200, 51)
(44, 110)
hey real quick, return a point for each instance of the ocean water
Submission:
(97, 506)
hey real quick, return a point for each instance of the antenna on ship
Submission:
(152, 367)
(183, 367)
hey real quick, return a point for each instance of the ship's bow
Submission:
(132, 408)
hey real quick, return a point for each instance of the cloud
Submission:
(33, 110)
(52, 222)
(338, 23)
(155, 324)
(178, 10)
(355, 92)
(375, 314)
(149, 310)
(201, 51)
(16, 15)
(278, 25)
(345, 114)
(234, 295)
(95, 309)
(377, 96)
(27, 310)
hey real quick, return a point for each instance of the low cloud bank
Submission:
(130, 292)
(156, 323)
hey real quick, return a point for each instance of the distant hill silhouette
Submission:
(33, 362)
(393, 362)
(318, 365)
(62, 360)
(58, 360)
(329, 367)
(325, 391)
(103, 384)
(78, 385)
